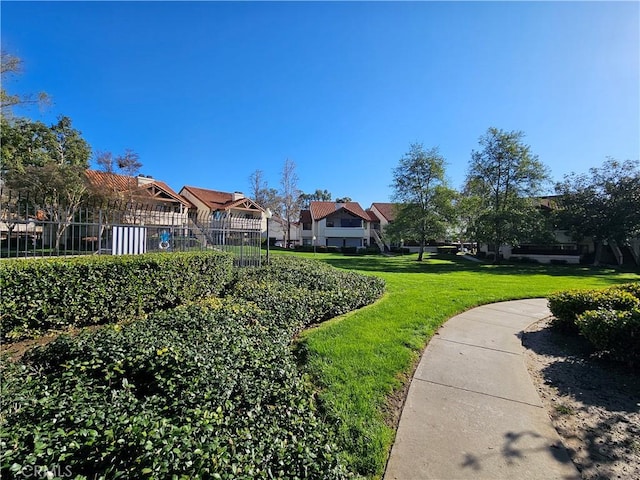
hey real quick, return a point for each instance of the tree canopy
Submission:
(11, 65)
(603, 204)
(317, 196)
(46, 165)
(420, 189)
(505, 178)
(262, 194)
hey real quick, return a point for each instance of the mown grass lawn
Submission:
(360, 360)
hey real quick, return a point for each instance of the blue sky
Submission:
(209, 92)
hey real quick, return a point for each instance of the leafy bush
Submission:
(349, 250)
(42, 294)
(616, 333)
(194, 393)
(314, 292)
(205, 390)
(632, 288)
(568, 305)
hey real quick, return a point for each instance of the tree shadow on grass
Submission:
(453, 263)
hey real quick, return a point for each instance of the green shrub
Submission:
(205, 390)
(617, 333)
(567, 306)
(194, 392)
(314, 291)
(633, 288)
(42, 294)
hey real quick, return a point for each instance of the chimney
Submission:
(144, 179)
(237, 196)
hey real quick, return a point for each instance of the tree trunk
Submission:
(598, 254)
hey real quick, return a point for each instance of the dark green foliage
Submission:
(42, 294)
(615, 332)
(608, 318)
(568, 305)
(315, 291)
(193, 392)
(205, 390)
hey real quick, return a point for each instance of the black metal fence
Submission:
(121, 229)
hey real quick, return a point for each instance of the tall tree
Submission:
(47, 165)
(289, 196)
(127, 163)
(262, 194)
(116, 200)
(317, 196)
(603, 205)
(11, 65)
(420, 188)
(507, 177)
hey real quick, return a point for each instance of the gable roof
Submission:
(372, 216)
(320, 210)
(387, 210)
(305, 216)
(151, 189)
(216, 200)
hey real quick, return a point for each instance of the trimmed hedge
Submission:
(315, 291)
(614, 332)
(197, 392)
(608, 318)
(568, 305)
(43, 294)
(205, 390)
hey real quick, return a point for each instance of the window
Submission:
(351, 222)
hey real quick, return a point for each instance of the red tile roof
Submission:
(216, 200)
(149, 190)
(320, 210)
(372, 216)
(388, 210)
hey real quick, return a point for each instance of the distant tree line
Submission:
(500, 201)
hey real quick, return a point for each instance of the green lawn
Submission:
(359, 360)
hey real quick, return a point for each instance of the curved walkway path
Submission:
(472, 411)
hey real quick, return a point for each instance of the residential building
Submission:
(142, 199)
(224, 219)
(335, 225)
(278, 232)
(381, 214)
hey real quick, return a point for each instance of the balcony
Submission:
(345, 232)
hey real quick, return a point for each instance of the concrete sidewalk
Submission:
(472, 411)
